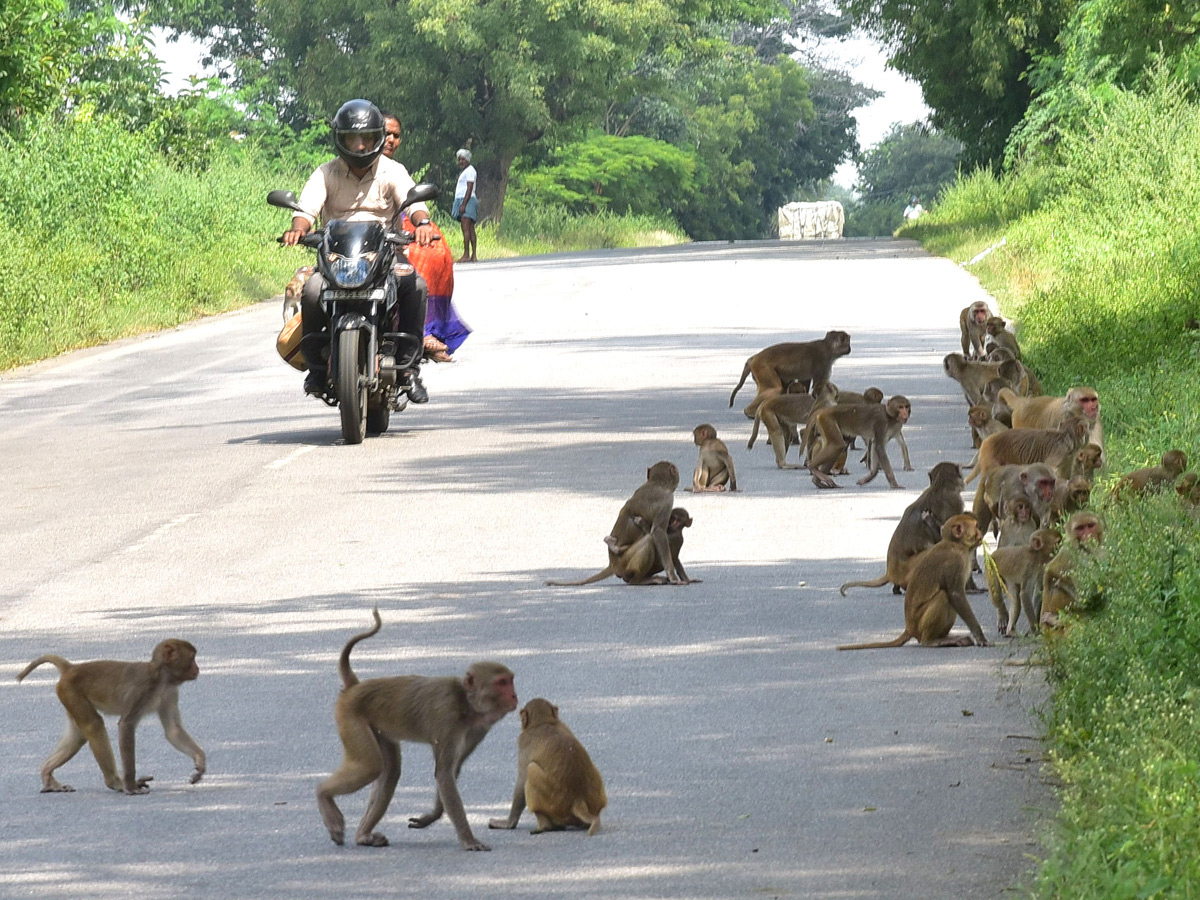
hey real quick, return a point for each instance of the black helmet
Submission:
(358, 117)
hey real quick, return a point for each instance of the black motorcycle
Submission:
(369, 365)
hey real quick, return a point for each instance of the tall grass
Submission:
(104, 239)
(1101, 269)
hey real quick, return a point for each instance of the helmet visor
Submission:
(360, 143)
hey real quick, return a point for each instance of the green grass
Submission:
(1101, 270)
(104, 239)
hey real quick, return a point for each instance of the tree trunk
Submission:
(493, 185)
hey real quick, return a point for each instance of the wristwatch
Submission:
(422, 222)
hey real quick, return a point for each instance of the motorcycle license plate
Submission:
(377, 294)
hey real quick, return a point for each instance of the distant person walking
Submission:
(914, 209)
(466, 204)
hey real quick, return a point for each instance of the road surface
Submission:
(182, 485)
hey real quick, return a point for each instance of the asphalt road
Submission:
(182, 485)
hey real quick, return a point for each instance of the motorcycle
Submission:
(369, 365)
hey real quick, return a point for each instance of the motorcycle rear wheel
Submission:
(351, 387)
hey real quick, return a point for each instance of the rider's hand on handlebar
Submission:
(292, 237)
(425, 234)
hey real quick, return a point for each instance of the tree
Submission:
(39, 46)
(970, 57)
(911, 160)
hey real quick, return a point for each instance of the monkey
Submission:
(1070, 496)
(894, 432)
(783, 414)
(805, 361)
(1016, 571)
(291, 293)
(1049, 412)
(130, 690)
(1029, 445)
(871, 422)
(1087, 461)
(1084, 535)
(652, 503)
(373, 717)
(972, 321)
(920, 526)
(1188, 489)
(638, 563)
(1001, 411)
(1152, 478)
(973, 377)
(1018, 524)
(997, 336)
(983, 424)
(870, 395)
(556, 778)
(936, 594)
(714, 467)
(998, 487)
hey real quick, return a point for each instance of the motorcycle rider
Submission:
(359, 185)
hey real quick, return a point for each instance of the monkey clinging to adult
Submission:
(556, 778)
(130, 690)
(450, 714)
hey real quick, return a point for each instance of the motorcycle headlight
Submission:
(350, 271)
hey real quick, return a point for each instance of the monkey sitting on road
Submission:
(556, 778)
(714, 467)
(130, 690)
(936, 594)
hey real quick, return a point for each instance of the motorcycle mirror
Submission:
(284, 200)
(420, 193)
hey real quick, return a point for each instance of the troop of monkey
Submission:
(1036, 459)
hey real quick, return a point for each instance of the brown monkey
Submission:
(983, 424)
(1188, 490)
(1089, 458)
(869, 421)
(936, 594)
(638, 563)
(450, 714)
(714, 467)
(130, 690)
(651, 503)
(1000, 485)
(1021, 446)
(974, 377)
(920, 526)
(1017, 572)
(1018, 524)
(1085, 533)
(997, 336)
(972, 322)
(1070, 497)
(1152, 478)
(870, 395)
(1050, 412)
(783, 414)
(804, 361)
(1001, 411)
(291, 293)
(894, 432)
(556, 778)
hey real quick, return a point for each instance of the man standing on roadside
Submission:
(466, 204)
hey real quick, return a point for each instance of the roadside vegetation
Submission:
(1100, 267)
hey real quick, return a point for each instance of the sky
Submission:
(863, 57)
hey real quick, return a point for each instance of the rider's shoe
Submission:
(315, 382)
(416, 390)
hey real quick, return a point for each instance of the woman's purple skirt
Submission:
(442, 321)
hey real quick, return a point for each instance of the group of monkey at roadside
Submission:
(556, 779)
(1036, 461)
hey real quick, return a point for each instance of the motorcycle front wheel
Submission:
(351, 387)
(379, 415)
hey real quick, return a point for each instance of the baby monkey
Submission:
(556, 778)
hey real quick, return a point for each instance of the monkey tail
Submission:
(581, 811)
(1007, 396)
(898, 642)
(59, 663)
(974, 472)
(745, 375)
(754, 430)
(878, 582)
(349, 679)
(599, 576)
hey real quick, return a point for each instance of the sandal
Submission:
(440, 356)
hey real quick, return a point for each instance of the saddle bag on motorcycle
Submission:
(288, 344)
